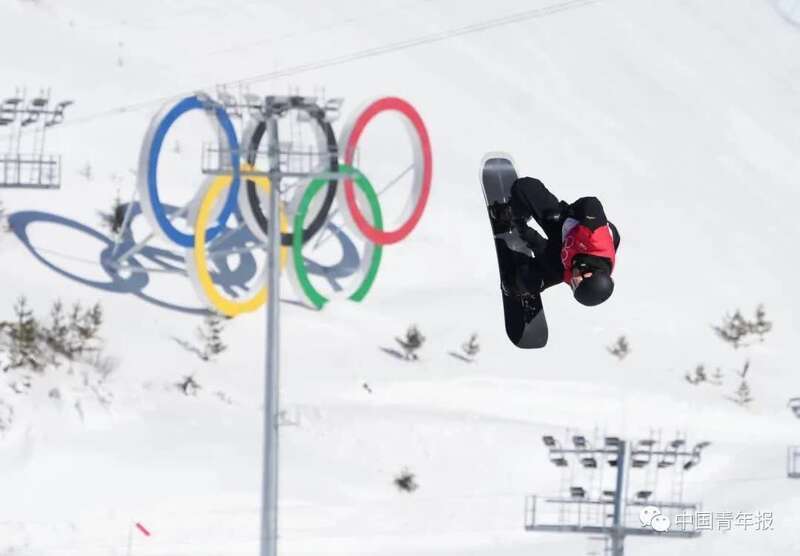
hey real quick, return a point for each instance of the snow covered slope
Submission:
(680, 115)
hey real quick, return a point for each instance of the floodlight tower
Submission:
(31, 170)
(611, 520)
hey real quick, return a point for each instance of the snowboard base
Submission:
(525, 321)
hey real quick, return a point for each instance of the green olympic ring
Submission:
(316, 298)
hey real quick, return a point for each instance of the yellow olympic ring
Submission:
(224, 305)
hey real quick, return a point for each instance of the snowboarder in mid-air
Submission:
(580, 248)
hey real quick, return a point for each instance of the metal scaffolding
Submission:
(32, 169)
(603, 510)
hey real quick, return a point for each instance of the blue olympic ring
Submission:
(191, 103)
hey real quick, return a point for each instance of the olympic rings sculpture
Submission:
(223, 197)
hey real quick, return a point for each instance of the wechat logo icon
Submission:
(650, 516)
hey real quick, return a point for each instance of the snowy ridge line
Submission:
(517, 17)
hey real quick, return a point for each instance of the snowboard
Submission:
(525, 322)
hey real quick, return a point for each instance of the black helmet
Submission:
(594, 289)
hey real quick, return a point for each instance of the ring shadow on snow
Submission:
(231, 279)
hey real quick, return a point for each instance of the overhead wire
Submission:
(372, 52)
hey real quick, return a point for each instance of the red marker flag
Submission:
(141, 528)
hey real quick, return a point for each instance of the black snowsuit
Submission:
(530, 198)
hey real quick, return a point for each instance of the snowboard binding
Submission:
(501, 217)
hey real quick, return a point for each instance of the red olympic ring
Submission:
(389, 103)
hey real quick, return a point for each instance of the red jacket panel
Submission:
(581, 240)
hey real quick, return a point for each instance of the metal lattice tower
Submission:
(30, 117)
(608, 505)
